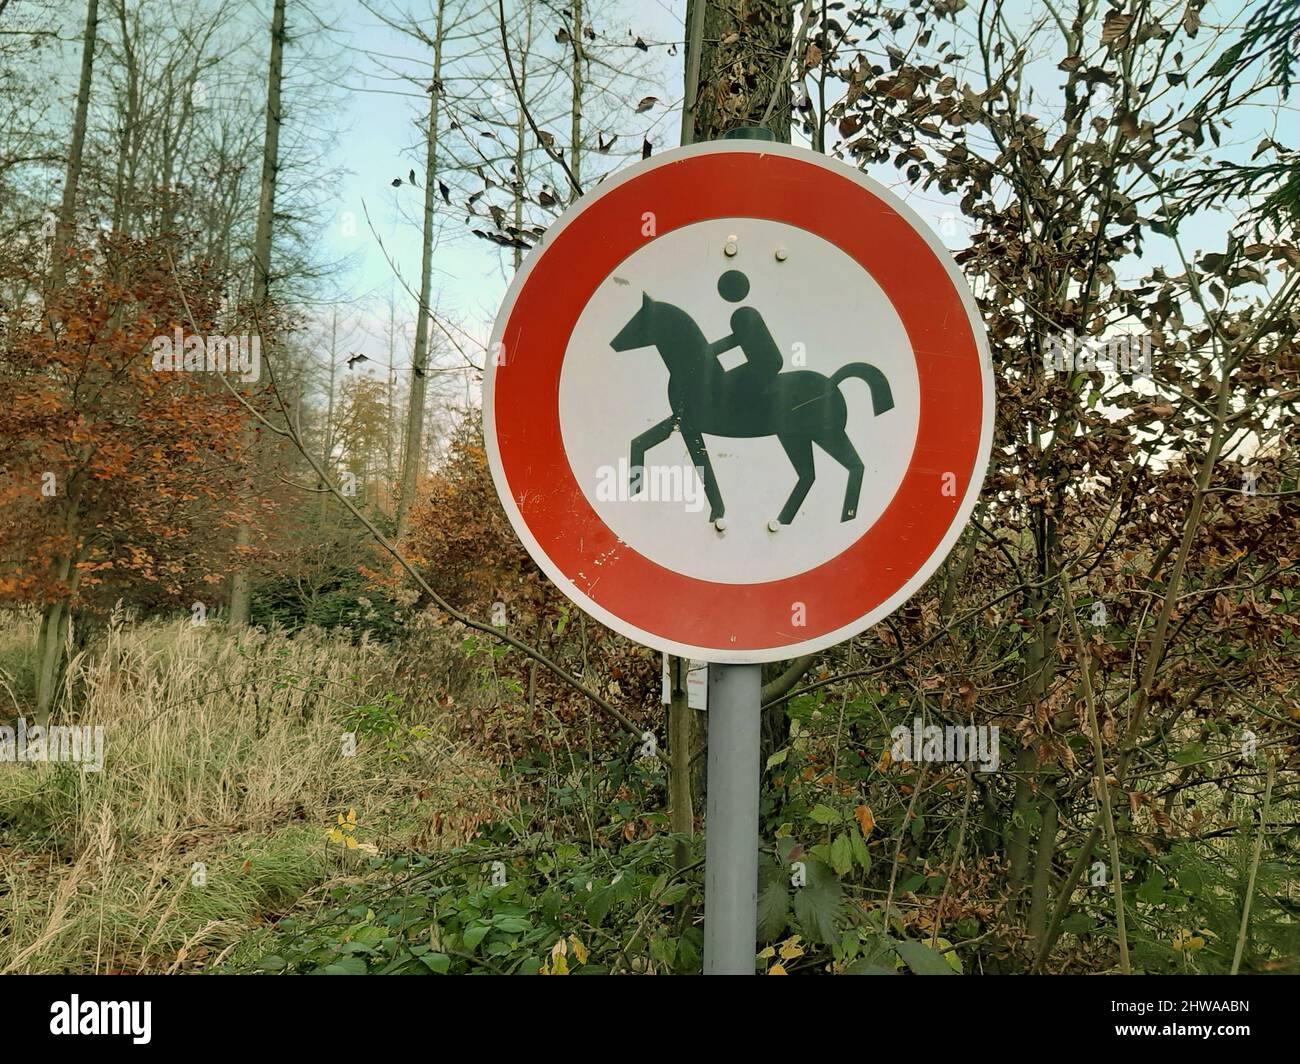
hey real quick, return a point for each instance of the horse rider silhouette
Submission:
(749, 332)
(799, 407)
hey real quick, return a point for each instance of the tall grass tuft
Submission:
(227, 758)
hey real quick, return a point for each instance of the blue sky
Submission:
(372, 136)
(380, 141)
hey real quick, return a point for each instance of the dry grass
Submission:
(222, 752)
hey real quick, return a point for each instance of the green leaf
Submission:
(922, 959)
(818, 905)
(860, 852)
(438, 963)
(346, 966)
(688, 950)
(598, 905)
(674, 894)
(822, 814)
(664, 950)
(475, 934)
(865, 967)
(773, 901)
(1227, 60)
(841, 854)
(785, 846)
(1152, 891)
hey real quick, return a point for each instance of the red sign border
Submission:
(631, 593)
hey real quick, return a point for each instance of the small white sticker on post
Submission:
(697, 684)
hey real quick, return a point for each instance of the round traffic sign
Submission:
(739, 403)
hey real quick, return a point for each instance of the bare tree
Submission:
(240, 585)
(72, 176)
(420, 356)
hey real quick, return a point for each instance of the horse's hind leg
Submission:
(837, 445)
(700, 456)
(799, 451)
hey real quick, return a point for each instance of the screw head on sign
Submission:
(782, 254)
(774, 525)
(720, 524)
(731, 247)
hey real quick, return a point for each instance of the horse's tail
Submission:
(882, 398)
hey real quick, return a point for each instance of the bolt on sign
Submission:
(739, 403)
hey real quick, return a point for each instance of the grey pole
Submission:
(731, 820)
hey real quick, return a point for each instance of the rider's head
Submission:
(733, 286)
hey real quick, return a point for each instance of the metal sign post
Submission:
(731, 820)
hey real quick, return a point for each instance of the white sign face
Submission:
(740, 403)
(823, 310)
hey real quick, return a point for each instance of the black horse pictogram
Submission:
(799, 407)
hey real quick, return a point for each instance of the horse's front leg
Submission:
(700, 456)
(652, 437)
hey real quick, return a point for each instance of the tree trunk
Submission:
(763, 29)
(54, 615)
(681, 727)
(741, 67)
(390, 398)
(128, 136)
(63, 232)
(413, 452)
(575, 129)
(327, 445)
(1040, 891)
(240, 587)
(521, 126)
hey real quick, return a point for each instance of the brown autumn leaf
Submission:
(1115, 27)
(862, 814)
